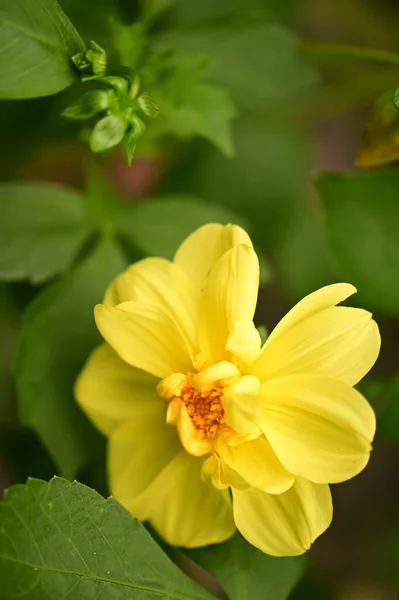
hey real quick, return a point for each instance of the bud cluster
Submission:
(118, 105)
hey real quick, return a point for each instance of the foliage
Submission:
(215, 101)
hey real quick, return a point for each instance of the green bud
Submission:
(92, 63)
(148, 105)
(107, 133)
(120, 84)
(91, 103)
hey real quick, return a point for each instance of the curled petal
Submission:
(283, 524)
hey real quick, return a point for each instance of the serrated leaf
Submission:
(62, 539)
(42, 229)
(160, 225)
(362, 222)
(37, 41)
(247, 573)
(58, 333)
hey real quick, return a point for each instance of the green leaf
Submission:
(159, 226)
(255, 59)
(188, 106)
(248, 574)
(58, 333)
(303, 260)
(91, 103)
(362, 220)
(107, 133)
(37, 41)
(62, 539)
(42, 229)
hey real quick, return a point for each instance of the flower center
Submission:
(204, 409)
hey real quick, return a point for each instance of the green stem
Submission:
(337, 51)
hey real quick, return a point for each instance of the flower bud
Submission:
(92, 63)
(120, 84)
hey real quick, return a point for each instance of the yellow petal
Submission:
(256, 463)
(320, 428)
(230, 295)
(217, 473)
(144, 337)
(110, 391)
(283, 524)
(163, 284)
(201, 250)
(337, 341)
(185, 510)
(223, 371)
(325, 297)
(189, 437)
(244, 341)
(242, 405)
(137, 453)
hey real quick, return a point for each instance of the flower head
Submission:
(208, 430)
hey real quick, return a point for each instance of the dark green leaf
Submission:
(158, 227)
(303, 260)
(248, 574)
(62, 539)
(362, 220)
(107, 133)
(58, 333)
(42, 228)
(37, 41)
(266, 180)
(255, 59)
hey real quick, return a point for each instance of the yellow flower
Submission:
(207, 430)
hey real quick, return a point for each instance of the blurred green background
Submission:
(300, 109)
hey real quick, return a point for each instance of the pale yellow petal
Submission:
(137, 453)
(201, 250)
(339, 342)
(144, 337)
(284, 524)
(244, 341)
(325, 297)
(256, 463)
(163, 284)
(111, 391)
(185, 510)
(320, 428)
(242, 405)
(230, 295)
(222, 372)
(217, 473)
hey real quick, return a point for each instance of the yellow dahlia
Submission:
(208, 430)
